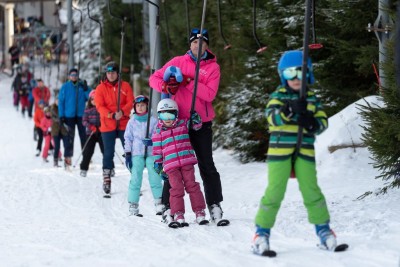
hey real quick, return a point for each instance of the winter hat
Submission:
(73, 70)
(92, 94)
(294, 58)
(41, 102)
(195, 34)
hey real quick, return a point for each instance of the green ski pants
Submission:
(278, 176)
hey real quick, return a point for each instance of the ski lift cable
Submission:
(187, 20)
(101, 36)
(261, 47)
(314, 45)
(166, 27)
(80, 37)
(226, 44)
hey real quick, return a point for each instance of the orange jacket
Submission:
(41, 94)
(37, 118)
(106, 104)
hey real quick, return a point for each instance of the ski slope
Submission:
(50, 217)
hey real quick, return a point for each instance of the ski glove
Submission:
(84, 85)
(158, 167)
(128, 161)
(308, 121)
(298, 106)
(147, 142)
(164, 175)
(195, 120)
(173, 71)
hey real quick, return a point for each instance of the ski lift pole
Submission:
(80, 38)
(101, 36)
(166, 28)
(122, 19)
(196, 76)
(261, 47)
(227, 45)
(314, 45)
(152, 71)
(303, 73)
(187, 20)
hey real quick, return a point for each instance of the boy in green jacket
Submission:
(285, 113)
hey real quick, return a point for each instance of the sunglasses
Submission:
(293, 73)
(167, 115)
(73, 75)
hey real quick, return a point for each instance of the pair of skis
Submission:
(339, 248)
(174, 224)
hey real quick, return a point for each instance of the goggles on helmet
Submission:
(140, 99)
(168, 115)
(292, 73)
(111, 69)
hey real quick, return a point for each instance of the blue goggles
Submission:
(74, 74)
(141, 99)
(197, 31)
(293, 73)
(111, 69)
(167, 115)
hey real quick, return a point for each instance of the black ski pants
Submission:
(89, 149)
(201, 141)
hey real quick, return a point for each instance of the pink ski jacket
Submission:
(207, 88)
(172, 147)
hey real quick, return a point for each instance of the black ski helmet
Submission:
(111, 66)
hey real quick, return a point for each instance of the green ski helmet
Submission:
(294, 58)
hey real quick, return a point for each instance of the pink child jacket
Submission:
(207, 88)
(172, 147)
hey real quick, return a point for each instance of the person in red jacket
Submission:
(37, 118)
(113, 117)
(41, 92)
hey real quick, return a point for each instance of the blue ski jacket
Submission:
(72, 99)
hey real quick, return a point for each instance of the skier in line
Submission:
(135, 158)
(285, 113)
(91, 120)
(182, 92)
(41, 92)
(175, 156)
(37, 118)
(113, 118)
(59, 131)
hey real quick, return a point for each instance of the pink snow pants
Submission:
(182, 179)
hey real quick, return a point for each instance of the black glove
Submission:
(158, 167)
(164, 175)
(298, 106)
(147, 142)
(308, 122)
(128, 161)
(62, 120)
(84, 85)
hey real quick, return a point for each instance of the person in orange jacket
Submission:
(37, 118)
(41, 92)
(113, 118)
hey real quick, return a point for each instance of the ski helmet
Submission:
(141, 99)
(167, 104)
(294, 58)
(111, 66)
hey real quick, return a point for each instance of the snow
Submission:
(50, 217)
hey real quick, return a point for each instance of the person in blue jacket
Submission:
(71, 106)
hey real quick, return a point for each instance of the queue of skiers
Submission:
(181, 137)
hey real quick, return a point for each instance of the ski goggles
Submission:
(141, 99)
(74, 74)
(111, 69)
(167, 115)
(293, 73)
(195, 34)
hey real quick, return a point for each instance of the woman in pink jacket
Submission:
(176, 77)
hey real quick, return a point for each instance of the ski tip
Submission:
(184, 224)
(223, 222)
(107, 196)
(341, 248)
(269, 253)
(204, 222)
(174, 225)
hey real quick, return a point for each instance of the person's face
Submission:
(194, 47)
(40, 84)
(141, 107)
(73, 76)
(112, 76)
(295, 84)
(92, 101)
(168, 123)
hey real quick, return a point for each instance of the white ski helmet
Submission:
(167, 104)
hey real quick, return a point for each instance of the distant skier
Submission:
(285, 113)
(135, 158)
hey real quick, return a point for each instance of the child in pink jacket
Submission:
(45, 125)
(175, 156)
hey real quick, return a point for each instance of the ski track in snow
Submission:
(50, 217)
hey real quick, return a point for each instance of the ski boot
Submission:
(326, 236)
(201, 217)
(67, 163)
(134, 209)
(159, 206)
(83, 173)
(55, 162)
(107, 183)
(216, 215)
(180, 218)
(260, 245)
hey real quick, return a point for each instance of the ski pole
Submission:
(303, 73)
(152, 71)
(123, 19)
(261, 47)
(227, 45)
(84, 147)
(196, 77)
(119, 157)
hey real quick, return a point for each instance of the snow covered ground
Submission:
(50, 217)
